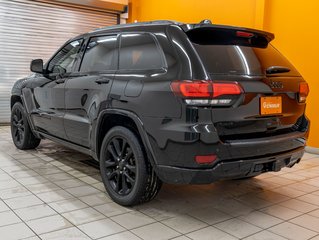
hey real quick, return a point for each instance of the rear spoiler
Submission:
(207, 34)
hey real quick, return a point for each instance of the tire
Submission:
(126, 173)
(21, 133)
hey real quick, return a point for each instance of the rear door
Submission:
(270, 103)
(86, 91)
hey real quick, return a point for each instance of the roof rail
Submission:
(158, 22)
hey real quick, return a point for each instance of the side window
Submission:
(100, 55)
(64, 60)
(139, 51)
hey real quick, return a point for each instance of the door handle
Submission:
(60, 81)
(103, 80)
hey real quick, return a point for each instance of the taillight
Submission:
(303, 92)
(204, 92)
(205, 159)
(244, 34)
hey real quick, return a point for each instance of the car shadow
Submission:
(228, 198)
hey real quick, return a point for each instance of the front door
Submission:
(49, 93)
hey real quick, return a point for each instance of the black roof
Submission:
(138, 24)
(185, 26)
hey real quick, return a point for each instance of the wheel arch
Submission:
(117, 117)
(14, 99)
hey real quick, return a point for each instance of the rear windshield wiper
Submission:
(277, 69)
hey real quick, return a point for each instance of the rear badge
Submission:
(276, 85)
(270, 105)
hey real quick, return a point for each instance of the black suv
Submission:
(166, 102)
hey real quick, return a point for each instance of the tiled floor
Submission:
(52, 193)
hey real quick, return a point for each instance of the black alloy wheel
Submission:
(127, 174)
(120, 165)
(22, 135)
(18, 127)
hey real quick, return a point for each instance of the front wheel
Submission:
(126, 173)
(22, 136)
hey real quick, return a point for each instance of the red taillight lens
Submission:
(192, 89)
(205, 89)
(206, 159)
(303, 91)
(244, 34)
(220, 89)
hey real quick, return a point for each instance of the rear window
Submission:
(224, 52)
(234, 59)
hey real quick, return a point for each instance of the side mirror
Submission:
(36, 66)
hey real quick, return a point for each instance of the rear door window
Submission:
(100, 54)
(140, 51)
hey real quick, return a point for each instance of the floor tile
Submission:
(209, 215)
(181, 238)
(32, 180)
(3, 207)
(15, 231)
(155, 231)
(210, 233)
(96, 199)
(59, 177)
(237, 228)
(100, 228)
(8, 218)
(66, 234)
(48, 224)
(7, 184)
(121, 236)
(307, 221)
(82, 191)
(184, 224)
(111, 209)
(265, 235)
(14, 192)
(82, 216)
(23, 202)
(34, 212)
(43, 187)
(281, 212)
(261, 220)
(310, 198)
(69, 183)
(132, 220)
(298, 205)
(292, 231)
(54, 196)
(67, 205)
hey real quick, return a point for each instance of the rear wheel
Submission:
(127, 175)
(22, 136)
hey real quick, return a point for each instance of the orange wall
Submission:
(232, 12)
(296, 26)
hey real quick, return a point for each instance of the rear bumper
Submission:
(229, 169)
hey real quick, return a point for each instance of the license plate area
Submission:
(270, 105)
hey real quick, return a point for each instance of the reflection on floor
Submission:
(53, 193)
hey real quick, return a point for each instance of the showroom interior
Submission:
(55, 192)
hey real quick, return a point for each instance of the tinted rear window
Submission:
(242, 60)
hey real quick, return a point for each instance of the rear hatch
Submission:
(271, 102)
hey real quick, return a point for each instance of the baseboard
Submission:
(312, 150)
